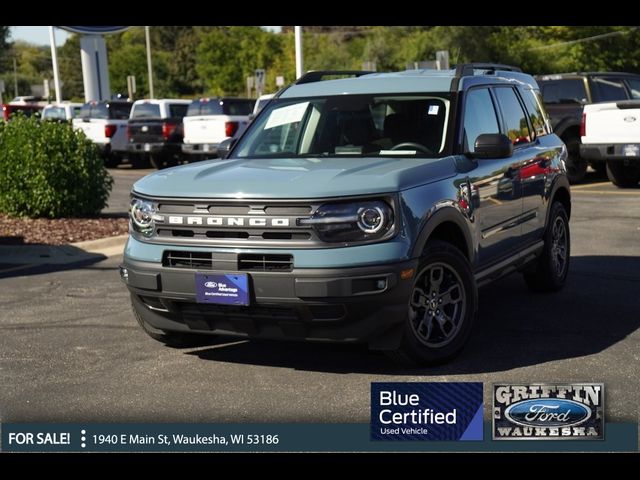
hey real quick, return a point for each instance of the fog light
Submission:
(124, 274)
(381, 284)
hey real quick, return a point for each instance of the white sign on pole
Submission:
(279, 81)
(259, 74)
(46, 91)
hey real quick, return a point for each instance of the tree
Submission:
(70, 67)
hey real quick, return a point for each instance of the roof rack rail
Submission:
(318, 75)
(466, 69)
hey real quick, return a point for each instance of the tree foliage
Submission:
(191, 61)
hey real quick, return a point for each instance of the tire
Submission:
(623, 176)
(550, 271)
(138, 161)
(443, 274)
(111, 161)
(172, 339)
(576, 165)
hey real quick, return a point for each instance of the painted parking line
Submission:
(591, 185)
(607, 192)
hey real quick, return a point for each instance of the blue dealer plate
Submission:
(222, 289)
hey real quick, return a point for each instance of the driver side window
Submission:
(479, 117)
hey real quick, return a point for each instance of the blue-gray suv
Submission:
(363, 209)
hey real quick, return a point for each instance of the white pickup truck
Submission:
(210, 121)
(105, 124)
(611, 132)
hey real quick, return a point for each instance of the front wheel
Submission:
(442, 307)
(550, 272)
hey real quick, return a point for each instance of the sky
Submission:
(40, 35)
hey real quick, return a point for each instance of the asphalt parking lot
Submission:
(70, 350)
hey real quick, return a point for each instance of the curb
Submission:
(105, 246)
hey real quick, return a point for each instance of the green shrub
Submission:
(49, 170)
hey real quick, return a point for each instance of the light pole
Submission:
(299, 59)
(149, 67)
(54, 61)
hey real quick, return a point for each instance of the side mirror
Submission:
(225, 147)
(492, 145)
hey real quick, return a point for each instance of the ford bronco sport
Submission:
(364, 209)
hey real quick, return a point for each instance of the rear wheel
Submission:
(623, 176)
(172, 339)
(550, 272)
(442, 307)
(576, 165)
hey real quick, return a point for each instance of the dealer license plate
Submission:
(147, 147)
(224, 289)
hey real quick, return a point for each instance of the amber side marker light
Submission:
(407, 274)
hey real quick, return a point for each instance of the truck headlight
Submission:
(141, 213)
(352, 222)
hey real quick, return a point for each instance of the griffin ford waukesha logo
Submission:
(572, 411)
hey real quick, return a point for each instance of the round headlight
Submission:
(142, 213)
(371, 219)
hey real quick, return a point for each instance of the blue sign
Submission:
(229, 289)
(95, 29)
(426, 411)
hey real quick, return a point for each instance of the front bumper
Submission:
(606, 151)
(363, 304)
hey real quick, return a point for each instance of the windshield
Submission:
(349, 125)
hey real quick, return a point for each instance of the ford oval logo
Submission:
(547, 412)
(629, 119)
(211, 285)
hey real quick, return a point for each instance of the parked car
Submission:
(105, 124)
(26, 109)
(565, 95)
(155, 132)
(611, 134)
(363, 209)
(62, 112)
(210, 121)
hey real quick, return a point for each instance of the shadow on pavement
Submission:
(597, 308)
(18, 260)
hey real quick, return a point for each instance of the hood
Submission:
(294, 177)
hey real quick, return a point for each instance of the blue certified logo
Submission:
(550, 412)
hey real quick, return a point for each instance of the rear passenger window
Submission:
(479, 117)
(237, 107)
(536, 115)
(609, 89)
(570, 90)
(177, 110)
(515, 125)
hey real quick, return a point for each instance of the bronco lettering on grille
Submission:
(228, 221)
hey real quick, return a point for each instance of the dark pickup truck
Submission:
(155, 132)
(564, 96)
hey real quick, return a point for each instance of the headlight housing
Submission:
(352, 222)
(142, 214)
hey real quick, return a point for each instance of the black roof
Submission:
(586, 74)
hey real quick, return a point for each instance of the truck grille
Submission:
(231, 224)
(243, 262)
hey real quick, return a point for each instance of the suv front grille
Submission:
(219, 223)
(265, 263)
(243, 262)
